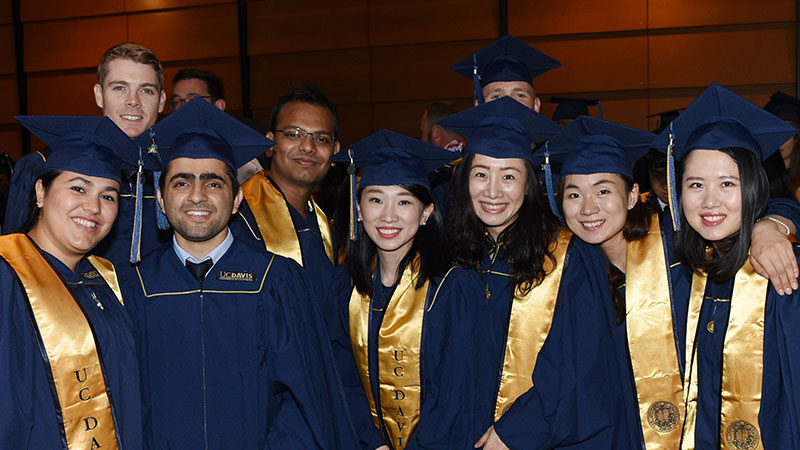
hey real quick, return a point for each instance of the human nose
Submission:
(493, 189)
(92, 205)
(589, 206)
(198, 194)
(710, 199)
(307, 144)
(133, 99)
(388, 214)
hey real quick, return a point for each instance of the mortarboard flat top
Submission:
(589, 145)
(199, 130)
(571, 108)
(388, 158)
(89, 145)
(727, 120)
(784, 106)
(503, 128)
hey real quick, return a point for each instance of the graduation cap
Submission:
(784, 106)
(388, 158)
(89, 145)
(572, 108)
(589, 145)
(506, 59)
(503, 128)
(718, 119)
(200, 130)
(664, 118)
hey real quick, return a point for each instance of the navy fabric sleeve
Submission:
(785, 207)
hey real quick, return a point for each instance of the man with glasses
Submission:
(278, 211)
(191, 83)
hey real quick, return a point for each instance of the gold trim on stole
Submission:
(651, 340)
(274, 220)
(106, 270)
(742, 361)
(528, 326)
(399, 354)
(77, 375)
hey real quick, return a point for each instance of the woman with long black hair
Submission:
(405, 333)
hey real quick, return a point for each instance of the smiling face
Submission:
(391, 216)
(497, 189)
(518, 90)
(711, 194)
(298, 159)
(76, 212)
(130, 96)
(198, 201)
(596, 207)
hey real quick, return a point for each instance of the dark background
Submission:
(382, 61)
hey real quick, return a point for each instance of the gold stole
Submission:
(399, 355)
(651, 341)
(275, 221)
(528, 326)
(77, 375)
(742, 361)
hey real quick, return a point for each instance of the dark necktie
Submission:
(199, 270)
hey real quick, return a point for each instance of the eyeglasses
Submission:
(176, 103)
(297, 134)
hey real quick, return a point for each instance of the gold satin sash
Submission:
(77, 375)
(651, 341)
(742, 361)
(106, 270)
(399, 355)
(275, 221)
(528, 326)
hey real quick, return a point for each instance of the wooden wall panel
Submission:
(276, 26)
(62, 94)
(342, 74)
(226, 69)
(426, 21)
(70, 44)
(544, 17)
(595, 65)
(690, 13)
(6, 12)
(147, 5)
(8, 64)
(754, 56)
(627, 109)
(33, 10)
(9, 107)
(195, 33)
(420, 72)
(357, 122)
(11, 140)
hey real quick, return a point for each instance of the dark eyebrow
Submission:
(84, 180)
(602, 182)
(212, 176)
(182, 175)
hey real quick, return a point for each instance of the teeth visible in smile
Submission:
(84, 223)
(593, 224)
(127, 117)
(198, 213)
(492, 207)
(389, 231)
(713, 218)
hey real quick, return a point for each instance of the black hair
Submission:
(305, 94)
(228, 170)
(731, 253)
(32, 217)
(427, 242)
(526, 242)
(780, 184)
(213, 83)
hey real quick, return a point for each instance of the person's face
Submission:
(185, 91)
(787, 150)
(712, 194)
(658, 183)
(518, 90)
(497, 190)
(596, 206)
(130, 96)
(197, 198)
(391, 217)
(76, 213)
(298, 159)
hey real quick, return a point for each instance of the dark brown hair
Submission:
(134, 52)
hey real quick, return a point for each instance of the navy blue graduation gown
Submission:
(316, 264)
(454, 348)
(582, 380)
(239, 361)
(779, 416)
(28, 415)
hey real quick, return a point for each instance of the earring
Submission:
(38, 204)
